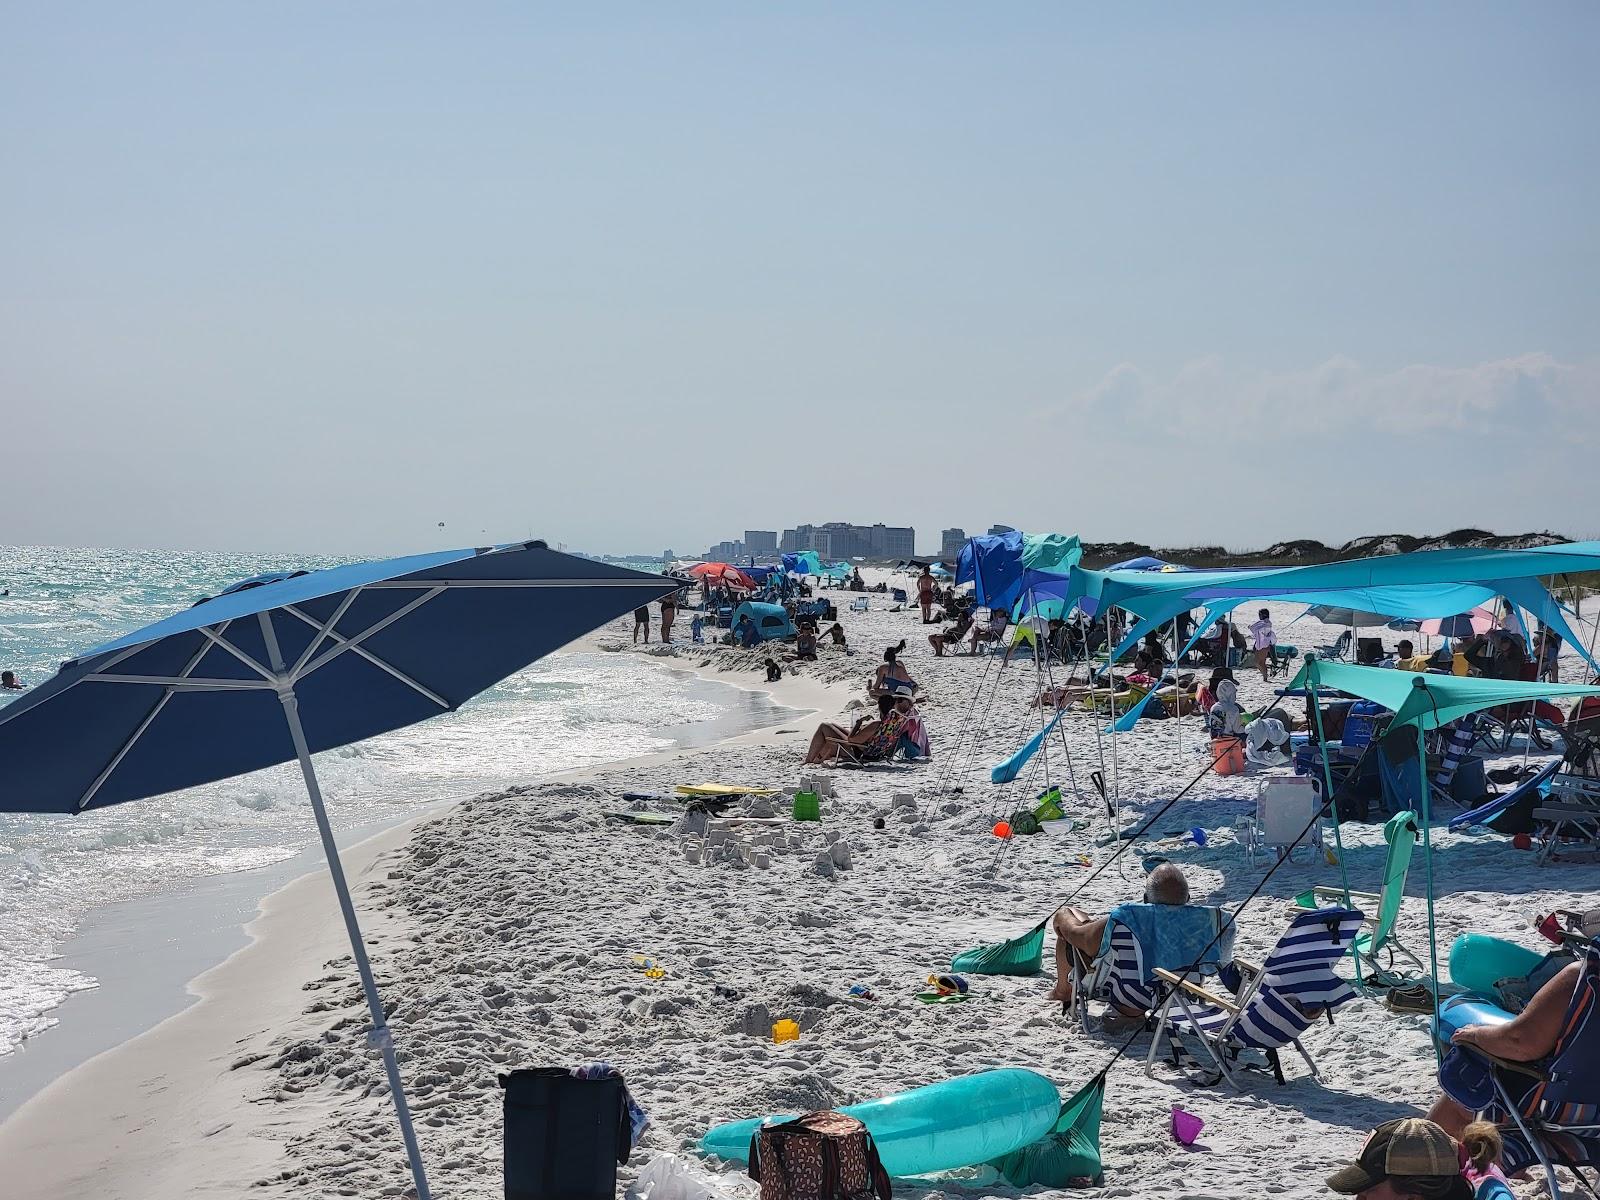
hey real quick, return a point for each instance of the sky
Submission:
(313, 277)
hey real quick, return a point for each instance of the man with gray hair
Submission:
(1173, 933)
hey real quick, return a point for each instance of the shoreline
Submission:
(290, 931)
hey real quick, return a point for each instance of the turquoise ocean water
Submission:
(563, 712)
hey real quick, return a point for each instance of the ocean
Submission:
(565, 711)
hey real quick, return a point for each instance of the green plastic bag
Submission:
(1020, 956)
(1067, 1156)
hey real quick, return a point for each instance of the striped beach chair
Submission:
(1549, 1112)
(1277, 1001)
(1123, 976)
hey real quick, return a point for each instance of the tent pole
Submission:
(1111, 689)
(1427, 850)
(379, 1035)
(1315, 704)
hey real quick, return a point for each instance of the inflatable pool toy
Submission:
(1460, 1011)
(1478, 962)
(958, 1123)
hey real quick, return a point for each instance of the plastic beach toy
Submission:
(958, 1123)
(785, 1031)
(1185, 1126)
(1002, 829)
(807, 806)
(1478, 962)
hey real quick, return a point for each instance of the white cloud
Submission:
(1530, 393)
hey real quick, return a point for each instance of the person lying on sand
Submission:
(1061, 695)
(1086, 936)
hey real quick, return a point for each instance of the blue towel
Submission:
(1173, 937)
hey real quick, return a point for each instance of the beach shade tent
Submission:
(759, 575)
(938, 571)
(992, 563)
(281, 666)
(838, 570)
(1053, 552)
(1144, 562)
(771, 620)
(727, 576)
(1422, 702)
(1428, 583)
(807, 562)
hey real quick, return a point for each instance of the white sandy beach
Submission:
(502, 931)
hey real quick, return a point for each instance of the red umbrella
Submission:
(724, 574)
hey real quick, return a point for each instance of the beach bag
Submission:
(820, 1156)
(564, 1136)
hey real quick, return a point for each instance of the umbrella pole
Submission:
(379, 1035)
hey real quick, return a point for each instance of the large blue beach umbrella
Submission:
(278, 667)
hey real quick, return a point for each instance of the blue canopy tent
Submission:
(806, 562)
(993, 565)
(280, 666)
(771, 621)
(1432, 583)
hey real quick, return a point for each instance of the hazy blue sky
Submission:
(319, 276)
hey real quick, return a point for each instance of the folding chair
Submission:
(1286, 818)
(1567, 824)
(859, 604)
(1400, 832)
(1124, 974)
(1276, 1003)
(1548, 1113)
(1339, 650)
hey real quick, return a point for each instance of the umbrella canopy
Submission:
(1332, 614)
(1426, 700)
(282, 665)
(724, 574)
(1475, 620)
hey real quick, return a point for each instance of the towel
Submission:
(1173, 937)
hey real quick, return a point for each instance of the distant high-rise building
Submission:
(950, 543)
(841, 540)
(997, 530)
(760, 541)
(788, 543)
(728, 552)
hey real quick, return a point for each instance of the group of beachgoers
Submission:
(1449, 1154)
(897, 729)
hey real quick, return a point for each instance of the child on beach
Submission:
(1262, 640)
(697, 630)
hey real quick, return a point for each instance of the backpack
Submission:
(820, 1156)
(564, 1135)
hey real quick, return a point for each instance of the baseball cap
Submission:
(1412, 1148)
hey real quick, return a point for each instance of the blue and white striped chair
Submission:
(1123, 978)
(1277, 1001)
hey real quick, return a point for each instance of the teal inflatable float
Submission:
(1458, 1012)
(1478, 962)
(958, 1123)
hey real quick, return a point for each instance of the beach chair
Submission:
(1340, 649)
(1285, 820)
(879, 749)
(1567, 823)
(1277, 1001)
(1125, 974)
(1548, 1113)
(859, 604)
(1379, 938)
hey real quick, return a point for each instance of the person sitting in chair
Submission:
(892, 678)
(993, 631)
(951, 635)
(1088, 937)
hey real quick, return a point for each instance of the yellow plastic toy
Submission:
(785, 1031)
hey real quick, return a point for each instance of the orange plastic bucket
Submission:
(1228, 753)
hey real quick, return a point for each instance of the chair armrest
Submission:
(1521, 1068)
(1323, 889)
(1195, 989)
(1246, 966)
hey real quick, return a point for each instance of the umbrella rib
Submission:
(369, 656)
(182, 684)
(155, 711)
(323, 629)
(354, 643)
(239, 654)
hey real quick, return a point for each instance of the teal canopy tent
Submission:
(1057, 552)
(1427, 701)
(1423, 702)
